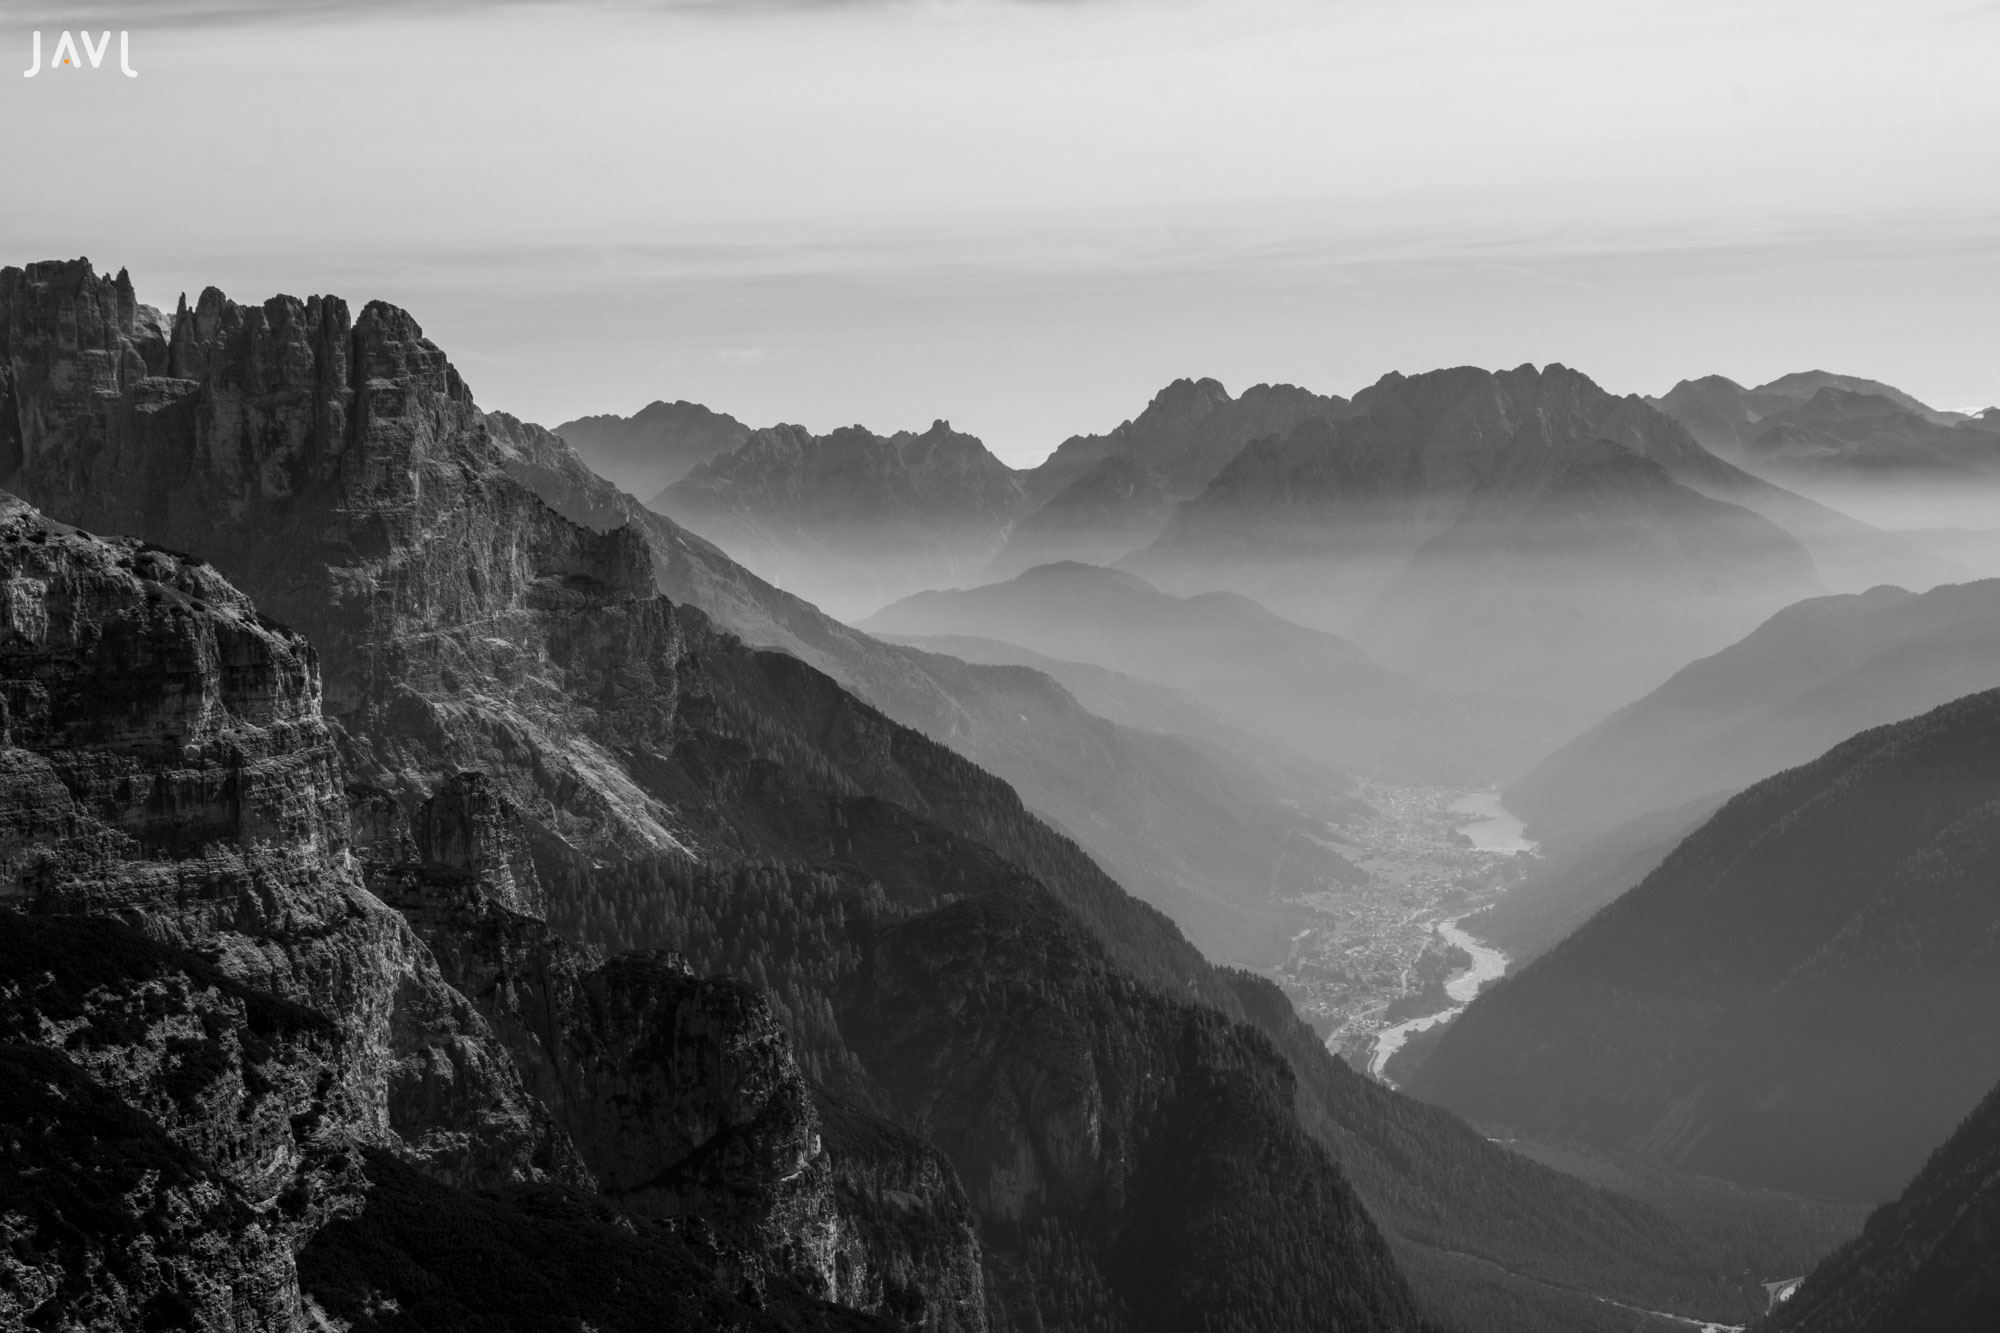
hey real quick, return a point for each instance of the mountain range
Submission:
(852, 520)
(1516, 533)
(408, 774)
(1440, 520)
(1458, 525)
(1860, 445)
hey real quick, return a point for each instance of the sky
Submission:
(1026, 216)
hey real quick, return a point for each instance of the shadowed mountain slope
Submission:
(1927, 1260)
(1797, 997)
(1808, 677)
(1575, 876)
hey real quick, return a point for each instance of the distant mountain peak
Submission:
(1190, 430)
(1803, 384)
(655, 446)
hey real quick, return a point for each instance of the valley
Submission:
(1376, 963)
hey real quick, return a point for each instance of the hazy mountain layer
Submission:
(1809, 676)
(1797, 997)
(1197, 833)
(1312, 690)
(1147, 705)
(1861, 446)
(1725, 416)
(656, 446)
(1515, 533)
(1110, 510)
(853, 520)
(1926, 1261)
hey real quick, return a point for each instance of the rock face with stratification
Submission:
(192, 953)
(208, 1019)
(337, 468)
(682, 1094)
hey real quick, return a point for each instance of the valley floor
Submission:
(1379, 962)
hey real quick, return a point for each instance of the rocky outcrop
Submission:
(171, 795)
(682, 1094)
(171, 1135)
(198, 959)
(166, 764)
(338, 470)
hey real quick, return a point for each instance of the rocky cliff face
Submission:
(193, 975)
(172, 1135)
(337, 469)
(167, 765)
(199, 960)
(681, 1094)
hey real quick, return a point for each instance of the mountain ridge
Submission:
(1788, 1000)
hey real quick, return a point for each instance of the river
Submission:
(1491, 829)
(1488, 964)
